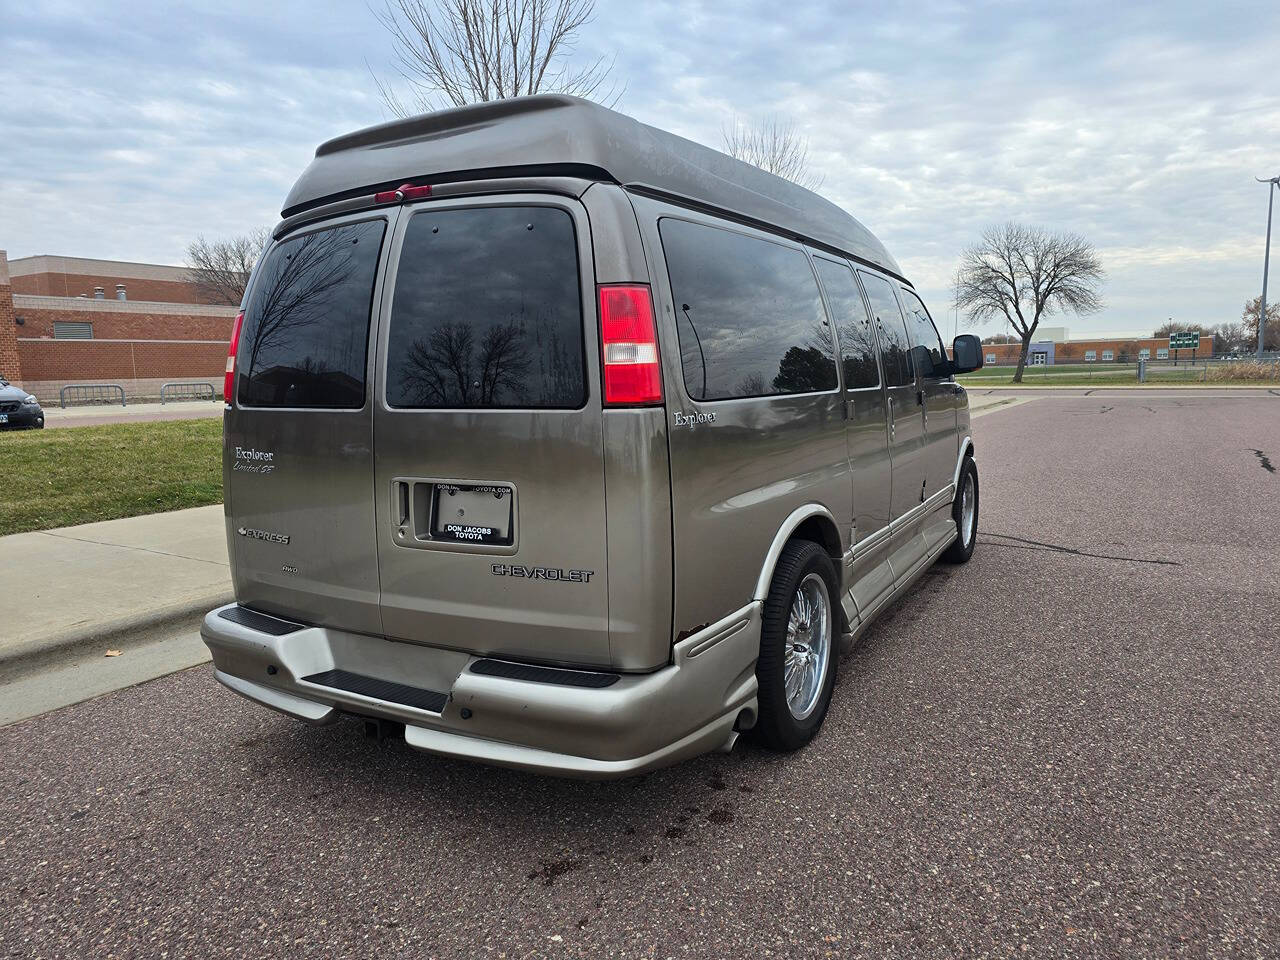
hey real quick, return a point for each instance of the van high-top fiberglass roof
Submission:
(561, 135)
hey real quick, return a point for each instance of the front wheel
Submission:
(797, 666)
(965, 513)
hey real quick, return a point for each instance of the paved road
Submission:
(1067, 747)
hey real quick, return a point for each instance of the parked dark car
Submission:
(18, 408)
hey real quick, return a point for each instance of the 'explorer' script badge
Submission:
(692, 419)
(249, 460)
(542, 573)
(266, 535)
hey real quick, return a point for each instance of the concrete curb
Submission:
(1006, 403)
(36, 652)
(1008, 387)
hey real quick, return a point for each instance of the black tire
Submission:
(966, 535)
(776, 726)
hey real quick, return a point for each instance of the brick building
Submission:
(73, 320)
(1102, 350)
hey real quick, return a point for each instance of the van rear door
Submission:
(298, 460)
(489, 475)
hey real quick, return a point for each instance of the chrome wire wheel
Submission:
(808, 646)
(968, 510)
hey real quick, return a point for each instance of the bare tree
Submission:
(220, 268)
(1249, 324)
(1020, 274)
(450, 53)
(444, 370)
(773, 145)
(1174, 326)
(1232, 338)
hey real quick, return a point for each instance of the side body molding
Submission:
(797, 517)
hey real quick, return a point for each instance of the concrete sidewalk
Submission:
(99, 581)
(89, 416)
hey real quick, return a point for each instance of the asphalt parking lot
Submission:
(1067, 747)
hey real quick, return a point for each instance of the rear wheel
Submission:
(965, 513)
(797, 666)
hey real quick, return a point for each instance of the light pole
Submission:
(1272, 186)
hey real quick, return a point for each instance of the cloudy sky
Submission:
(128, 129)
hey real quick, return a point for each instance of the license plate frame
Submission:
(476, 513)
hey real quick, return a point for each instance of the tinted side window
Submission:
(749, 315)
(487, 311)
(924, 335)
(306, 326)
(894, 347)
(857, 339)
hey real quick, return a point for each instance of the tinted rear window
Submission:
(857, 339)
(487, 311)
(894, 348)
(749, 315)
(305, 336)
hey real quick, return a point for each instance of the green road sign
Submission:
(1184, 341)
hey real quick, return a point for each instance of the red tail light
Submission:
(229, 383)
(629, 342)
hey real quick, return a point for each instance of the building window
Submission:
(1144, 353)
(1108, 355)
(72, 330)
(991, 358)
(1162, 353)
(1090, 356)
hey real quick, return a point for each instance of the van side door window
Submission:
(895, 349)
(853, 324)
(748, 314)
(906, 417)
(939, 395)
(927, 350)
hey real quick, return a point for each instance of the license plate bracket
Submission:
(473, 513)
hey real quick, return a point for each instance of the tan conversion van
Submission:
(557, 441)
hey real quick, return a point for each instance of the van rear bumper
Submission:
(636, 723)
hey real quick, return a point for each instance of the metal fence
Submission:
(187, 390)
(91, 393)
(1199, 370)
